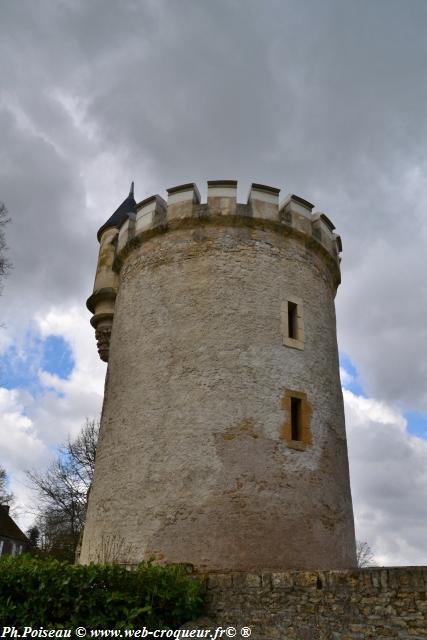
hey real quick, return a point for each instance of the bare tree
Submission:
(62, 497)
(6, 497)
(63, 491)
(81, 452)
(364, 555)
(5, 264)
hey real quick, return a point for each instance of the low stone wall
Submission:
(380, 603)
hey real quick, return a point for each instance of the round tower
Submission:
(222, 438)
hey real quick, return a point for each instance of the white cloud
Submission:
(20, 442)
(32, 427)
(63, 411)
(346, 377)
(388, 468)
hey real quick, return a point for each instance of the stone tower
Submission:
(222, 436)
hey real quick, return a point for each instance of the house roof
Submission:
(121, 214)
(9, 528)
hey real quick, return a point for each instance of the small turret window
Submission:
(296, 426)
(292, 323)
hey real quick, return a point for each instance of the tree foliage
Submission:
(33, 535)
(63, 491)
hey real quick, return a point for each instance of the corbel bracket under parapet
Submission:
(101, 304)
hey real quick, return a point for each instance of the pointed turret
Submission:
(121, 214)
(101, 302)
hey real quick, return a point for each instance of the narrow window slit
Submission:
(296, 419)
(292, 320)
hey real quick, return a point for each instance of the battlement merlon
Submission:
(182, 201)
(263, 202)
(133, 224)
(222, 197)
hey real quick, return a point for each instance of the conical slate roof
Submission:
(121, 214)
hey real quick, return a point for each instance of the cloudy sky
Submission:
(323, 99)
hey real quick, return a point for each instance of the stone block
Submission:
(151, 212)
(182, 200)
(306, 579)
(282, 580)
(126, 233)
(222, 196)
(295, 205)
(219, 581)
(264, 202)
(253, 580)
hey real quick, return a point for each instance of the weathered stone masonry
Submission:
(377, 603)
(222, 438)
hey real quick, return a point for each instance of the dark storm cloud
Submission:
(323, 99)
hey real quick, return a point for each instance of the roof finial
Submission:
(131, 189)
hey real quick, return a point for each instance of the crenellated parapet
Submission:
(134, 224)
(293, 215)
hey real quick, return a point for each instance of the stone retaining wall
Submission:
(380, 603)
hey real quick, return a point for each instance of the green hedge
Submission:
(50, 593)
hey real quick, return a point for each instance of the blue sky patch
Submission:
(417, 423)
(19, 366)
(57, 357)
(354, 385)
